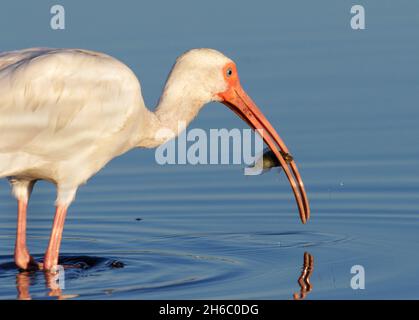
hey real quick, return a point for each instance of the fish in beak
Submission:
(238, 101)
(267, 161)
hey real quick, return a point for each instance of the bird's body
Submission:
(65, 113)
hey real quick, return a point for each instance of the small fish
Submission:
(267, 161)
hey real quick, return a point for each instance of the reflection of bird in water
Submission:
(23, 283)
(304, 279)
(65, 113)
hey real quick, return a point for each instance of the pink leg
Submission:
(51, 255)
(22, 258)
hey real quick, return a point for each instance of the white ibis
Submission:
(65, 113)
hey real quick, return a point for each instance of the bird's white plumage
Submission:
(59, 107)
(64, 113)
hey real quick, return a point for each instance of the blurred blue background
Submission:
(344, 101)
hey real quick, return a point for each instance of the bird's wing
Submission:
(51, 100)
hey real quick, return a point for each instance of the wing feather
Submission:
(51, 100)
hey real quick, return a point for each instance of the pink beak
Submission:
(238, 101)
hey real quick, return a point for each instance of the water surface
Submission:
(345, 103)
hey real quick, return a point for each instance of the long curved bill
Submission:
(238, 101)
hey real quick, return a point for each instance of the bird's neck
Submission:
(172, 115)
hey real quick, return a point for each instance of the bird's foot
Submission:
(51, 265)
(25, 261)
(47, 266)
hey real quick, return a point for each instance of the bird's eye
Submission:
(229, 72)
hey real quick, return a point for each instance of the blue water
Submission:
(345, 102)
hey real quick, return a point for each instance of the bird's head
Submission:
(205, 75)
